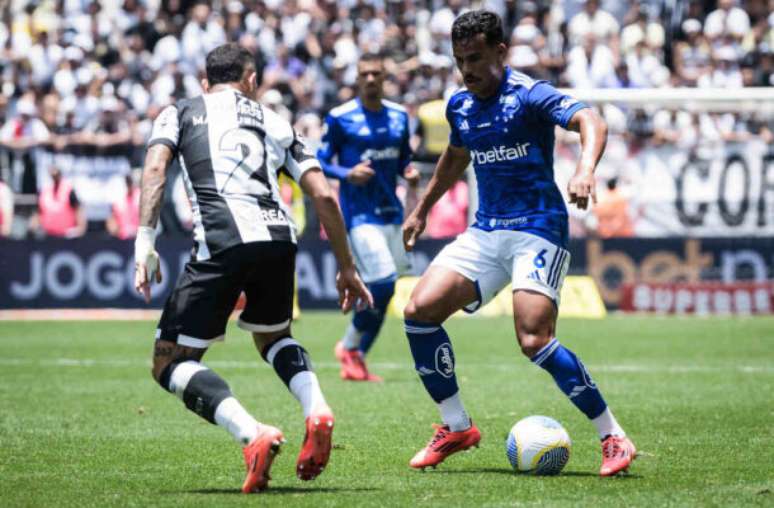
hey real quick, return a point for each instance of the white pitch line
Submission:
(501, 366)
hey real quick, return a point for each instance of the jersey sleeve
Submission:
(331, 140)
(454, 133)
(299, 158)
(166, 129)
(551, 105)
(405, 148)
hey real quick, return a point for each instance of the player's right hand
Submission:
(360, 174)
(146, 261)
(145, 273)
(412, 228)
(352, 291)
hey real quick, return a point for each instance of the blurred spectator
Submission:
(644, 69)
(59, 212)
(727, 21)
(594, 21)
(642, 29)
(449, 217)
(22, 133)
(612, 212)
(201, 34)
(6, 209)
(692, 56)
(724, 70)
(591, 65)
(124, 216)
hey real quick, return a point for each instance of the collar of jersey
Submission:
(500, 90)
(368, 111)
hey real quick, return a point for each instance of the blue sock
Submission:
(433, 358)
(572, 377)
(369, 321)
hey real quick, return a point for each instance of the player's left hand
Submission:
(581, 187)
(412, 176)
(352, 291)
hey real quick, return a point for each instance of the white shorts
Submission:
(491, 258)
(378, 251)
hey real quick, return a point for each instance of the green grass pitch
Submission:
(83, 424)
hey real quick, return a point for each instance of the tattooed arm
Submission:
(154, 178)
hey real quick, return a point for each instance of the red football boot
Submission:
(259, 455)
(316, 449)
(444, 443)
(617, 454)
(353, 366)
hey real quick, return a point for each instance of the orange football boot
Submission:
(316, 449)
(444, 443)
(617, 454)
(259, 455)
(353, 366)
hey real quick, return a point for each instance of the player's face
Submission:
(370, 78)
(481, 64)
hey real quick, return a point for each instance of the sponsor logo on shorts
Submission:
(380, 155)
(504, 223)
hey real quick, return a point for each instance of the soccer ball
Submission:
(539, 445)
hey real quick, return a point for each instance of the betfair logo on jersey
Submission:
(380, 155)
(501, 153)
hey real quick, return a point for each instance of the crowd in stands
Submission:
(88, 77)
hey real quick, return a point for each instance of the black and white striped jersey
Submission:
(231, 150)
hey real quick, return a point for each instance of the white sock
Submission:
(231, 415)
(351, 339)
(306, 388)
(453, 413)
(607, 425)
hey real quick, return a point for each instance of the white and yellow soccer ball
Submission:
(538, 445)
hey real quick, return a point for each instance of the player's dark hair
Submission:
(371, 56)
(473, 23)
(228, 63)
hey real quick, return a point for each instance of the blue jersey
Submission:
(353, 134)
(510, 137)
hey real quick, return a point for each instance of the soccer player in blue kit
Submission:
(503, 121)
(368, 137)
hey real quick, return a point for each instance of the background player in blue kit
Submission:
(503, 121)
(365, 146)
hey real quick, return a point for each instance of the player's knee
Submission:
(533, 336)
(420, 310)
(532, 343)
(262, 340)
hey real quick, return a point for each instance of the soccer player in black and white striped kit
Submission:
(231, 150)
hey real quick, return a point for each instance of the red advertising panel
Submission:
(703, 298)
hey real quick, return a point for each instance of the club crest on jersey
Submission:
(444, 360)
(508, 100)
(364, 131)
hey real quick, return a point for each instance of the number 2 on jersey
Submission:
(245, 149)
